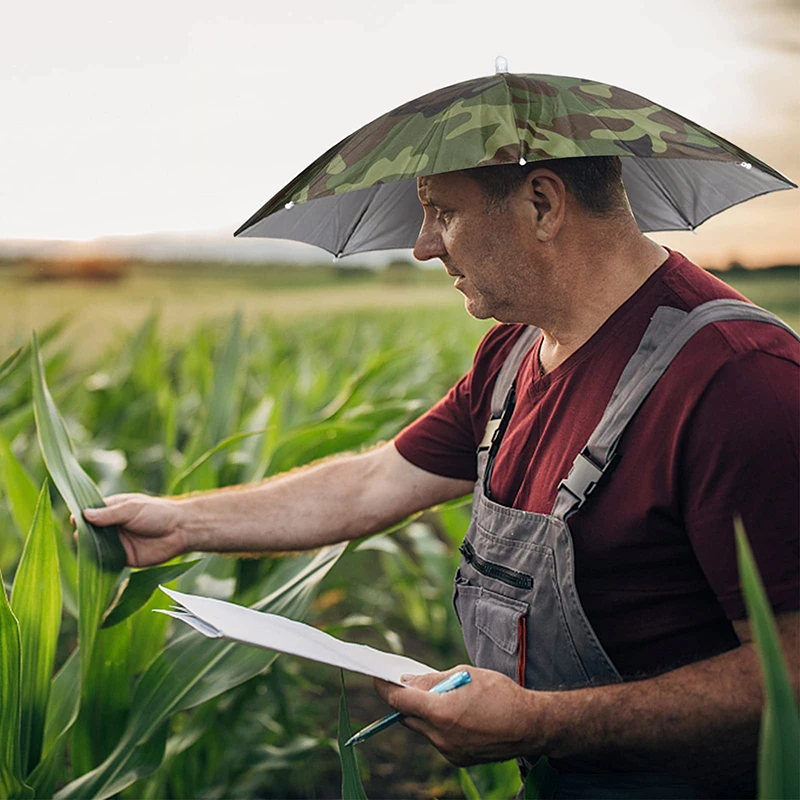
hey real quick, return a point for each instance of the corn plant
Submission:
(778, 774)
(86, 705)
(352, 788)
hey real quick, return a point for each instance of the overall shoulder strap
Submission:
(505, 380)
(669, 330)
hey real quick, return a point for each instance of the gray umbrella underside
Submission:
(665, 195)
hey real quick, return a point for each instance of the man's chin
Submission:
(476, 310)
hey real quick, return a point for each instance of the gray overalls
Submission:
(515, 593)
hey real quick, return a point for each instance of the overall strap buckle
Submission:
(491, 432)
(584, 477)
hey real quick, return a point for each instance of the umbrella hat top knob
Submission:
(500, 65)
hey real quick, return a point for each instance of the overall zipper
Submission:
(497, 571)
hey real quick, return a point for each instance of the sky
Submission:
(134, 118)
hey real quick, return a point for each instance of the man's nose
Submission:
(429, 243)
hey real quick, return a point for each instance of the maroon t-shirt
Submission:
(655, 558)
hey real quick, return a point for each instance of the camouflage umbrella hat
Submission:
(361, 194)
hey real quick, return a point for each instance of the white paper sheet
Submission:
(217, 618)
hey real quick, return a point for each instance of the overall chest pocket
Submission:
(494, 628)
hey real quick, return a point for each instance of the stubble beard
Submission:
(480, 306)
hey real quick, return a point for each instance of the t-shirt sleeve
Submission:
(444, 440)
(441, 441)
(743, 457)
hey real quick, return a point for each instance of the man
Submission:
(611, 620)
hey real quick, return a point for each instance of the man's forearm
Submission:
(700, 721)
(343, 498)
(307, 508)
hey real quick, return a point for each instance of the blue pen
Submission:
(447, 685)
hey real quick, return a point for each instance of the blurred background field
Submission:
(103, 298)
(102, 301)
(152, 364)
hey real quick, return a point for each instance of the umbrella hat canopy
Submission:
(361, 194)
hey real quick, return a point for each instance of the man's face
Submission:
(484, 249)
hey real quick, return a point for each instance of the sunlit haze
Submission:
(124, 119)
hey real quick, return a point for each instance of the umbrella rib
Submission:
(354, 226)
(658, 184)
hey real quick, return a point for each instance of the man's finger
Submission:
(419, 726)
(424, 682)
(116, 499)
(116, 514)
(395, 696)
(416, 700)
(97, 516)
(427, 681)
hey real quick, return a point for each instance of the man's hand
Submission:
(489, 719)
(148, 526)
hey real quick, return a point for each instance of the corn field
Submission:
(99, 696)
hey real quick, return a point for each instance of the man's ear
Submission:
(548, 194)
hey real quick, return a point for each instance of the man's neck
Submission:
(595, 283)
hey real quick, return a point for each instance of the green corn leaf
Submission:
(62, 712)
(468, 785)
(100, 553)
(139, 354)
(50, 770)
(168, 408)
(22, 418)
(107, 698)
(352, 788)
(68, 566)
(36, 603)
(198, 462)
(149, 632)
(453, 520)
(542, 781)
(19, 488)
(22, 496)
(778, 775)
(369, 373)
(137, 589)
(311, 442)
(9, 364)
(384, 413)
(257, 422)
(222, 406)
(10, 696)
(497, 779)
(12, 787)
(191, 670)
(62, 708)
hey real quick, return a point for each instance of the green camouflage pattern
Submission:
(502, 119)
